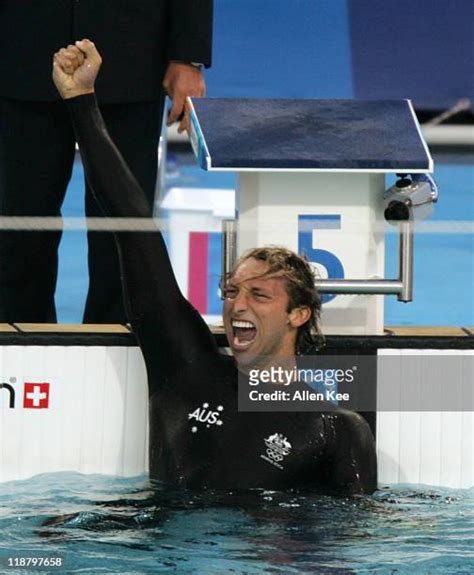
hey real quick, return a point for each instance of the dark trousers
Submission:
(36, 159)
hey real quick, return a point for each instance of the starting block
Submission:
(312, 178)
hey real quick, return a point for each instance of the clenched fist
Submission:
(75, 69)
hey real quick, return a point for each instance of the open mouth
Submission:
(244, 333)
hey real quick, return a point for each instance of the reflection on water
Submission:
(114, 525)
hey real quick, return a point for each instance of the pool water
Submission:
(129, 525)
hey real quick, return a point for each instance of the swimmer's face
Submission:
(256, 317)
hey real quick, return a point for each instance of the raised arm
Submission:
(170, 331)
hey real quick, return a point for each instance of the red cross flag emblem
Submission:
(36, 396)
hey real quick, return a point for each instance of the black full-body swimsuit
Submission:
(198, 437)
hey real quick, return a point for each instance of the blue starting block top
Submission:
(308, 135)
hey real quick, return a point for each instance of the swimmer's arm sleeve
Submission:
(170, 331)
(352, 461)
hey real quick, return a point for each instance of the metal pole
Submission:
(162, 155)
(405, 261)
(360, 287)
(401, 287)
(229, 246)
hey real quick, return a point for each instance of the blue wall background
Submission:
(281, 48)
(418, 49)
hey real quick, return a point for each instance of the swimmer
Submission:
(198, 438)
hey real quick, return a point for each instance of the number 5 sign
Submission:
(308, 226)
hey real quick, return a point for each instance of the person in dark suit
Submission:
(162, 46)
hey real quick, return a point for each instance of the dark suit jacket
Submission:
(136, 39)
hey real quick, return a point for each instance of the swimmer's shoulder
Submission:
(350, 428)
(350, 452)
(352, 421)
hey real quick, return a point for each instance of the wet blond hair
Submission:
(300, 287)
